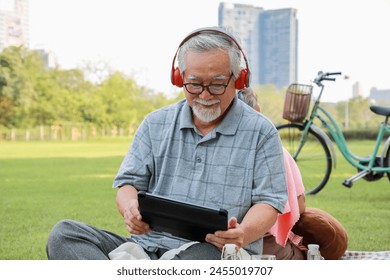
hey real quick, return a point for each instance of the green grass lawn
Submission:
(42, 183)
(364, 209)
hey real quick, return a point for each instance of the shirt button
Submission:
(198, 160)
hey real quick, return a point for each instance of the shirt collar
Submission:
(229, 124)
(186, 117)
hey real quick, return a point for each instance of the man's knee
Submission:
(59, 233)
(61, 229)
(199, 251)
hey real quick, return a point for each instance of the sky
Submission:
(140, 38)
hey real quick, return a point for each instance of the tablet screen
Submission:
(181, 219)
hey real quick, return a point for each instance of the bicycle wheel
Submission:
(387, 161)
(314, 160)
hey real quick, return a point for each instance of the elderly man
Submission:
(209, 149)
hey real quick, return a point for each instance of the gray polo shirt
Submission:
(238, 164)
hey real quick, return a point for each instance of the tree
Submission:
(19, 90)
(271, 102)
(7, 105)
(122, 99)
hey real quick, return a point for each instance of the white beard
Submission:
(206, 114)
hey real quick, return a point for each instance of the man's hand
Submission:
(133, 219)
(257, 221)
(234, 235)
(127, 203)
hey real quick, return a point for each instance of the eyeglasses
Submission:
(215, 89)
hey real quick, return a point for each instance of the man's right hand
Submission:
(133, 219)
(127, 203)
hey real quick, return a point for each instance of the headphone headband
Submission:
(242, 80)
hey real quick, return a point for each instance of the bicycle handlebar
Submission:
(334, 73)
(324, 76)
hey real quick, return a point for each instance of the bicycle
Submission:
(313, 149)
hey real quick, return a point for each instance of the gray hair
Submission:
(206, 41)
(248, 96)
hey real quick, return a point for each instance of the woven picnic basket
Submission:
(297, 102)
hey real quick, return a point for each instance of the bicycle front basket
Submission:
(297, 102)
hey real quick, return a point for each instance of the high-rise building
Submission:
(357, 90)
(380, 95)
(48, 57)
(14, 23)
(268, 37)
(243, 21)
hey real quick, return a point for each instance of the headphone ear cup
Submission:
(176, 78)
(243, 80)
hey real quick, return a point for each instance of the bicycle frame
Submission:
(335, 131)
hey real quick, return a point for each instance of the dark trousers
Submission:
(72, 240)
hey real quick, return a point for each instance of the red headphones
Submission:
(243, 79)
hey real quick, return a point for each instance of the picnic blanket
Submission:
(366, 255)
(132, 251)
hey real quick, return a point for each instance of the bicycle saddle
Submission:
(380, 110)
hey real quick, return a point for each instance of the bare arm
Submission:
(127, 204)
(302, 203)
(258, 220)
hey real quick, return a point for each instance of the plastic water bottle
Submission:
(314, 252)
(229, 252)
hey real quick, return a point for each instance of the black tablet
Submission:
(181, 219)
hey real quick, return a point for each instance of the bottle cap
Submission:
(313, 246)
(230, 248)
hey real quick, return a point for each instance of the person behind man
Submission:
(209, 149)
(281, 241)
(299, 225)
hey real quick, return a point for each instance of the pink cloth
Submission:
(284, 223)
